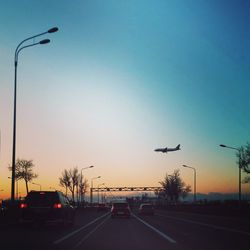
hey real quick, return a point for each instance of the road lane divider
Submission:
(168, 238)
(56, 242)
(79, 243)
(205, 224)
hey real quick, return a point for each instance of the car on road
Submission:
(120, 208)
(146, 209)
(102, 207)
(47, 207)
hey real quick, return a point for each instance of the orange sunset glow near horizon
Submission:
(210, 180)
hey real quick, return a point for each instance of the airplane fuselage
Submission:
(165, 150)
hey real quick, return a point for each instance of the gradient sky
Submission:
(122, 78)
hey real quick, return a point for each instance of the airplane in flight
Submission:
(165, 150)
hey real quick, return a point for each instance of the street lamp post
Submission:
(81, 180)
(224, 146)
(185, 166)
(16, 185)
(37, 185)
(18, 49)
(98, 190)
(91, 189)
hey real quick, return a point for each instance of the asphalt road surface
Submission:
(165, 230)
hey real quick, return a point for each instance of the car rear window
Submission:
(120, 205)
(42, 199)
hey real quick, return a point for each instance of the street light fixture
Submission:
(224, 146)
(44, 41)
(85, 168)
(81, 178)
(18, 49)
(185, 166)
(52, 30)
(37, 185)
(91, 190)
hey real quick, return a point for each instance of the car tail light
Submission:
(23, 205)
(57, 205)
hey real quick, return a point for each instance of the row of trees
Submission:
(73, 181)
(173, 186)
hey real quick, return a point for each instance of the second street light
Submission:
(18, 49)
(81, 179)
(185, 166)
(91, 189)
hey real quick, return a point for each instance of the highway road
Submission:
(165, 230)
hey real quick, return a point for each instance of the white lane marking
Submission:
(78, 230)
(206, 225)
(155, 230)
(89, 234)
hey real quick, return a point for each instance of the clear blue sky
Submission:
(121, 78)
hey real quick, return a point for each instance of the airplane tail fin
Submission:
(178, 146)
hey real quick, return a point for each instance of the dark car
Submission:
(120, 209)
(102, 207)
(47, 206)
(2, 209)
(9, 210)
(147, 209)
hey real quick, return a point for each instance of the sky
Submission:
(121, 78)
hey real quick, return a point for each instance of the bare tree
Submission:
(173, 187)
(74, 182)
(83, 186)
(64, 180)
(73, 173)
(244, 160)
(24, 170)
